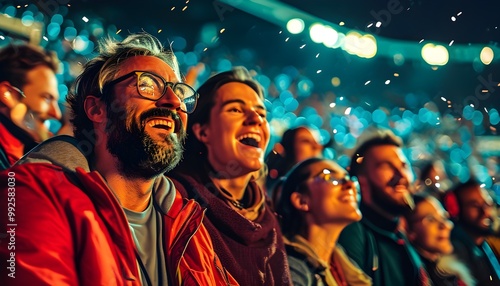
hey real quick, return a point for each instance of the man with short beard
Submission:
(471, 208)
(376, 243)
(97, 209)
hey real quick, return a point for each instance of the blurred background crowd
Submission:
(443, 106)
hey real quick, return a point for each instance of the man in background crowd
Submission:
(28, 97)
(376, 243)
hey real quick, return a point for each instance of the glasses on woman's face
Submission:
(327, 175)
(431, 219)
(153, 87)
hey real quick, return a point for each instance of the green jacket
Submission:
(307, 269)
(382, 251)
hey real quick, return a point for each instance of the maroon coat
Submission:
(252, 251)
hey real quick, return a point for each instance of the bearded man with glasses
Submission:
(97, 209)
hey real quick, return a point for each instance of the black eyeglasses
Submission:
(326, 175)
(153, 87)
(18, 90)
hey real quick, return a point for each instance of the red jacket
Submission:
(70, 230)
(13, 142)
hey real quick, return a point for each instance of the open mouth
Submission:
(250, 139)
(161, 124)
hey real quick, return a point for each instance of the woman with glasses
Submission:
(428, 228)
(318, 201)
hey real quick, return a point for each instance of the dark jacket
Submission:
(252, 251)
(307, 269)
(382, 251)
(474, 257)
(70, 229)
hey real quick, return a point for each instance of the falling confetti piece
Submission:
(85, 19)
(318, 71)
(286, 40)
(222, 30)
(459, 13)
(44, 37)
(396, 74)
(443, 99)
(205, 49)
(451, 43)
(172, 9)
(366, 83)
(159, 31)
(348, 111)
(317, 55)
(302, 46)
(388, 81)
(378, 24)
(369, 25)
(341, 24)
(421, 41)
(332, 105)
(117, 32)
(453, 18)
(184, 9)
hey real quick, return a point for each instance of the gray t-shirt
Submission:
(147, 232)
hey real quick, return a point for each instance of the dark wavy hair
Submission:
(17, 60)
(196, 152)
(292, 221)
(103, 69)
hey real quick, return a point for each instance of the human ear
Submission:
(201, 132)
(8, 98)
(299, 201)
(95, 109)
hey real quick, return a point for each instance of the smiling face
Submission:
(429, 229)
(476, 210)
(145, 135)
(331, 198)
(306, 145)
(237, 134)
(387, 175)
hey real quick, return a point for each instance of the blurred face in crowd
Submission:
(39, 104)
(386, 179)
(331, 195)
(238, 133)
(306, 145)
(42, 93)
(148, 138)
(429, 229)
(476, 210)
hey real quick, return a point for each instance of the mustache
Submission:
(161, 112)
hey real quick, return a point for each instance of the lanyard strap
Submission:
(491, 258)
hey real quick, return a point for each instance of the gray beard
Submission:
(138, 154)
